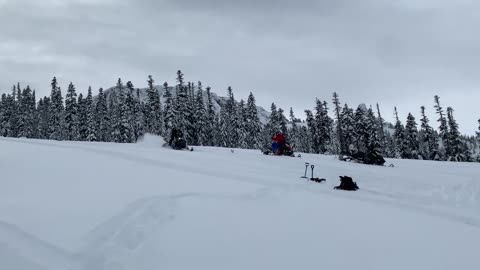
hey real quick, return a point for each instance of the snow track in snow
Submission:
(140, 207)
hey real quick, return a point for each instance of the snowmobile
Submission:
(177, 141)
(285, 150)
(370, 158)
(178, 145)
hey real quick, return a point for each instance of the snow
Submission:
(79, 206)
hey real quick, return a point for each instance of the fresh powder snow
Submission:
(92, 206)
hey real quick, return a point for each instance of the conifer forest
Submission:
(124, 113)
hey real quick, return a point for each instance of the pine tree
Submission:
(82, 117)
(311, 132)
(153, 112)
(348, 128)
(102, 117)
(411, 137)
(169, 111)
(230, 121)
(200, 115)
(13, 119)
(139, 128)
(428, 139)
(5, 114)
(131, 110)
(44, 124)
(381, 128)
(71, 114)
(57, 112)
(25, 113)
(242, 124)
(399, 138)
(296, 140)
(443, 128)
(478, 132)
(323, 128)
(191, 134)
(361, 132)
(36, 116)
(455, 143)
(211, 125)
(339, 129)
(122, 131)
(181, 115)
(390, 150)
(91, 130)
(273, 126)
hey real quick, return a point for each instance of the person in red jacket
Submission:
(279, 138)
(279, 144)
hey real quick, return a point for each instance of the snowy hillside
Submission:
(79, 206)
(263, 115)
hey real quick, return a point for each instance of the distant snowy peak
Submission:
(218, 101)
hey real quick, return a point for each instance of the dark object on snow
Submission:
(371, 158)
(346, 183)
(177, 141)
(306, 168)
(318, 180)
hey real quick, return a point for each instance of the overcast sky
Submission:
(399, 52)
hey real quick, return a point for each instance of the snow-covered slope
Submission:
(80, 206)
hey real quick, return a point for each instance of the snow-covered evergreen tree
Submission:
(381, 129)
(182, 115)
(443, 128)
(273, 126)
(35, 115)
(5, 115)
(283, 122)
(153, 109)
(200, 115)
(71, 114)
(139, 129)
(428, 139)
(242, 124)
(229, 122)
(211, 125)
(57, 111)
(82, 117)
(399, 138)
(44, 118)
(102, 118)
(455, 144)
(191, 134)
(348, 128)
(13, 108)
(254, 126)
(169, 111)
(323, 125)
(25, 112)
(361, 129)
(122, 131)
(339, 124)
(91, 125)
(411, 137)
(311, 132)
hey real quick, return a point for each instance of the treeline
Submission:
(122, 115)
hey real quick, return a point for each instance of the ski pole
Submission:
(313, 167)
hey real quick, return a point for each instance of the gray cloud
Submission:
(289, 52)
